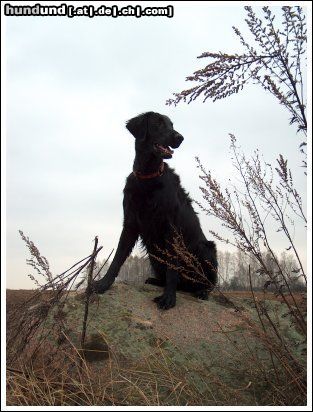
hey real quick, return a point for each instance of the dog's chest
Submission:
(152, 210)
(151, 205)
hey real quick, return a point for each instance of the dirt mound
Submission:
(213, 348)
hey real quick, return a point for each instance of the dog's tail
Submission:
(209, 254)
(155, 282)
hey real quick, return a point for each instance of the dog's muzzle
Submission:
(176, 140)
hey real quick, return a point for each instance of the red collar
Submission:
(140, 175)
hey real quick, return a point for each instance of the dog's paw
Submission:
(99, 286)
(150, 281)
(165, 301)
(202, 294)
(155, 282)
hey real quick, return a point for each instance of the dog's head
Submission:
(154, 134)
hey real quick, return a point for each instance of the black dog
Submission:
(155, 203)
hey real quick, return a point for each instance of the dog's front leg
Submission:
(126, 243)
(168, 299)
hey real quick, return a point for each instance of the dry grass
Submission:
(154, 380)
(70, 377)
(300, 297)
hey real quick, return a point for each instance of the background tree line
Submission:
(233, 271)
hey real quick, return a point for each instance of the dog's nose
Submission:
(180, 137)
(177, 139)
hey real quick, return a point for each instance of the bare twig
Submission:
(88, 292)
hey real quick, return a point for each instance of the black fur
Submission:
(153, 206)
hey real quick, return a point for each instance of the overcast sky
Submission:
(72, 84)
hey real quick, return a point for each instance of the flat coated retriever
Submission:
(155, 203)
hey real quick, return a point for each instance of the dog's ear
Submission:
(139, 126)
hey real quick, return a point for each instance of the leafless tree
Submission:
(275, 61)
(267, 199)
